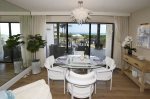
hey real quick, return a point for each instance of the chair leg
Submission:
(48, 80)
(64, 86)
(95, 88)
(71, 96)
(90, 97)
(110, 84)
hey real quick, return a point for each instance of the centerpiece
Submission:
(127, 44)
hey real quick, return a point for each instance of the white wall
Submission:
(107, 19)
(137, 18)
(9, 18)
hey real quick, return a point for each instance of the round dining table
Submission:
(82, 62)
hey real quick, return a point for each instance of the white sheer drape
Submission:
(25, 28)
(33, 25)
(39, 27)
(121, 31)
(108, 40)
(1, 45)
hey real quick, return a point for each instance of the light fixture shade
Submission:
(80, 15)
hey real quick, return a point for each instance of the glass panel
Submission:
(78, 37)
(93, 35)
(93, 50)
(105, 40)
(62, 35)
(61, 49)
(51, 37)
(5, 53)
(108, 40)
(15, 28)
(102, 35)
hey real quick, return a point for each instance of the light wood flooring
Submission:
(123, 88)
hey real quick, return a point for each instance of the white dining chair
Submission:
(106, 73)
(54, 72)
(79, 53)
(80, 85)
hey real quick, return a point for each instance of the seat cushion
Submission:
(35, 90)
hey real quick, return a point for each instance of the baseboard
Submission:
(15, 79)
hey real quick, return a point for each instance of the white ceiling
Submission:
(64, 7)
(124, 6)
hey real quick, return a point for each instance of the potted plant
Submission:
(34, 43)
(13, 43)
(127, 44)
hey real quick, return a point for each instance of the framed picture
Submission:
(143, 35)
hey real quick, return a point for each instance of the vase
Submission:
(129, 52)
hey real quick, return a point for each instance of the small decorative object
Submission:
(141, 57)
(143, 35)
(127, 44)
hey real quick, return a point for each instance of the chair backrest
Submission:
(110, 63)
(81, 79)
(79, 53)
(49, 62)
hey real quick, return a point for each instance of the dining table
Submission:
(79, 62)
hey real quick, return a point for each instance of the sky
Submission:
(84, 28)
(4, 29)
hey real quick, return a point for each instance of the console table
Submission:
(142, 65)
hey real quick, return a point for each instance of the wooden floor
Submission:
(123, 88)
(6, 72)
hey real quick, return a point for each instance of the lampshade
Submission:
(80, 14)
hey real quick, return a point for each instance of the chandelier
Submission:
(80, 14)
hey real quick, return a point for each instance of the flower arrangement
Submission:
(127, 44)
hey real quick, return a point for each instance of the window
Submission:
(90, 37)
(7, 29)
(15, 28)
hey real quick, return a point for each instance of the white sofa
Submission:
(35, 90)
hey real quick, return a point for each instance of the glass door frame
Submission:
(10, 33)
(90, 23)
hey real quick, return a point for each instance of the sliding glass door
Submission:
(93, 38)
(78, 37)
(6, 30)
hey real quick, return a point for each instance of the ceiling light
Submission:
(80, 14)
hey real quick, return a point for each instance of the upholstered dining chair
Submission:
(80, 85)
(106, 73)
(54, 72)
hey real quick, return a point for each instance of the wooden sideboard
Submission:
(142, 65)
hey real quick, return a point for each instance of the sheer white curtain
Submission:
(1, 45)
(108, 40)
(39, 27)
(121, 31)
(25, 28)
(33, 25)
